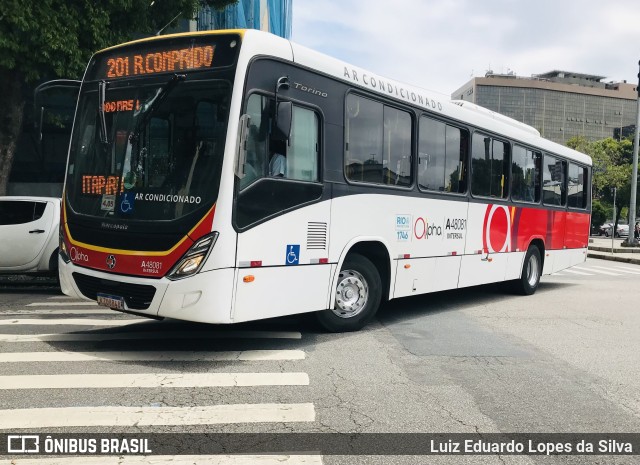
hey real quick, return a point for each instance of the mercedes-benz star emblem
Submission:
(111, 262)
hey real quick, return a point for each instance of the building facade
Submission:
(265, 15)
(559, 104)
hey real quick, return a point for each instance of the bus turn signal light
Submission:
(249, 278)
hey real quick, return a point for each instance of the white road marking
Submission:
(97, 337)
(618, 270)
(591, 269)
(71, 321)
(46, 311)
(63, 304)
(152, 380)
(173, 460)
(577, 272)
(155, 416)
(153, 356)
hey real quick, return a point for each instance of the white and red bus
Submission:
(231, 176)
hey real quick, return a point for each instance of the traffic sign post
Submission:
(631, 240)
(613, 226)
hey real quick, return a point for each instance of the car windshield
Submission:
(154, 152)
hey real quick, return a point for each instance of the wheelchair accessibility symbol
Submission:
(293, 254)
(126, 202)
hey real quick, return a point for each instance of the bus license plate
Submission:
(111, 301)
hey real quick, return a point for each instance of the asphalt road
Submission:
(480, 360)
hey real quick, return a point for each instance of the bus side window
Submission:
(302, 153)
(576, 186)
(257, 140)
(489, 167)
(443, 153)
(553, 184)
(378, 143)
(525, 175)
(462, 172)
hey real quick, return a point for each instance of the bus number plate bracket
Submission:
(111, 301)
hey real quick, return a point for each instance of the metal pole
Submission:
(613, 226)
(631, 240)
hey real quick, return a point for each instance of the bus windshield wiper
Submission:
(155, 103)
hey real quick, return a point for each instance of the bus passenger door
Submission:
(283, 224)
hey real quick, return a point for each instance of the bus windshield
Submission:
(155, 150)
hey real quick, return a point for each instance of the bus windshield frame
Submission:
(150, 147)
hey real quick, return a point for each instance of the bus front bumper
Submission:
(205, 297)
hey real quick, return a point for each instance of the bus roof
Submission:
(474, 115)
(263, 43)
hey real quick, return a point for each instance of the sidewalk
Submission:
(600, 247)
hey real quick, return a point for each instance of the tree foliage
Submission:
(48, 39)
(611, 168)
(599, 214)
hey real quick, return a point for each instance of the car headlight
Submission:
(192, 261)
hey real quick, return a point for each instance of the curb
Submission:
(613, 258)
(615, 250)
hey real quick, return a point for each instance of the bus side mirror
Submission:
(282, 124)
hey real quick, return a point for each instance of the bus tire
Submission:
(357, 296)
(531, 272)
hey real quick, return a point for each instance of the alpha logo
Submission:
(423, 230)
(77, 255)
(111, 262)
(496, 230)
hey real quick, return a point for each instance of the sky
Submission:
(439, 45)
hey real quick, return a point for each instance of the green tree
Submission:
(599, 214)
(48, 39)
(611, 168)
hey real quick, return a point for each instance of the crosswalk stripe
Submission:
(153, 356)
(71, 321)
(137, 336)
(46, 311)
(63, 304)
(155, 416)
(173, 460)
(152, 380)
(619, 270)
(597, 271)
(577, 272)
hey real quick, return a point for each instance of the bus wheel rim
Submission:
(532, 271)
(352, 294)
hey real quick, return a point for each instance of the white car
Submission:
(621, 231)
(29, 235)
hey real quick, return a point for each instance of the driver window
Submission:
(257, 140)
(266, 157)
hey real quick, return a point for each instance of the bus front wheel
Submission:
(531, 272)
(357, 296)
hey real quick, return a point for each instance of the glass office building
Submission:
(266, 15)
(559, 104)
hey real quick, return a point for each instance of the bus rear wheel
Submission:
(357, 296)
(531, 272)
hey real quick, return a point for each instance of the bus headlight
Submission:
(64, 253)
(195, 257)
